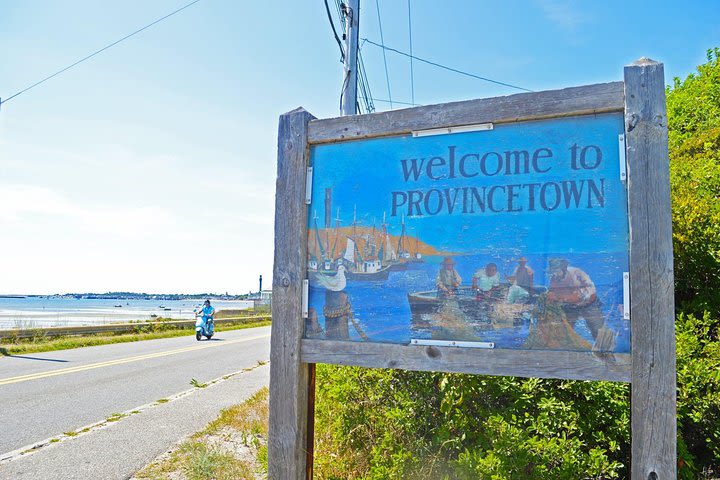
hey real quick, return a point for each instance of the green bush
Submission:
(698, 374)
(693, 104)
(392, 424)
(385, 424)
(694, 139)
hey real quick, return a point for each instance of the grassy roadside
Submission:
(233, 446)
(44, 344)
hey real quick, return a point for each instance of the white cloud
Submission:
(564, 13)
(32, 204)
(53, 242)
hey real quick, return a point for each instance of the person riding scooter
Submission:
(205, 325)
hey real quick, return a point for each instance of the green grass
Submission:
(204, 462)
(45, 344)
(115, 417)
(199, 458)
(195, 383)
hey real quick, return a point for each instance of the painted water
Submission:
(40, 312)
(381, 309)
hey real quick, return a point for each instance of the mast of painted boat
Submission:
(337, 234)
(402, 253)
(317, 237)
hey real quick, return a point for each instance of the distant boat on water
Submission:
(118, 306)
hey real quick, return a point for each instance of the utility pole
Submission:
(351, 10)
(348, 105)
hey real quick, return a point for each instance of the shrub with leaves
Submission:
(694, 136)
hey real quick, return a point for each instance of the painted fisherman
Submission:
(524, 275)
(576, 292)
(486, 281)
(448, 280)
(521, 282)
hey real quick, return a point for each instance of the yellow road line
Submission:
(120, 361)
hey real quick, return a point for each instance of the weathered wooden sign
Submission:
(524, 235)
(512, 236)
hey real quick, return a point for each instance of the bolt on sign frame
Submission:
(648, 362)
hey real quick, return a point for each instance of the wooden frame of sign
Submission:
(650, 367)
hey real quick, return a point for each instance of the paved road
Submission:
(44, 395)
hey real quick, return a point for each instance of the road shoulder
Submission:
(120, 448)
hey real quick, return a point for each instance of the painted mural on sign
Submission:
(514, 237)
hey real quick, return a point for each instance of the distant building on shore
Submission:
(263, 297)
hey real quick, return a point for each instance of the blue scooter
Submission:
(203, 327)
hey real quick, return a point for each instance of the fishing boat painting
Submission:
(407, 239)
(368, 254)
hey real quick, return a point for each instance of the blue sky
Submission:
(152, 166)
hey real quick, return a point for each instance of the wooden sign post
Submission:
(565, 192)
(652, 290)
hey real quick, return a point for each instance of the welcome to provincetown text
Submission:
(509, 197)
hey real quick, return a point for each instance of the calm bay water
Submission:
(36, 312)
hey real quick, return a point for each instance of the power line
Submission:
(382, 40)
(365, 85)
(339, 6)
(99, 51)
(412, 76)
(337, 38)
(446, 67)
(394, 101)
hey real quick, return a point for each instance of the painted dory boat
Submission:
(485, 308)
(370, 276)
(380, 275)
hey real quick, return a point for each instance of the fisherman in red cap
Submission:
(448, 280)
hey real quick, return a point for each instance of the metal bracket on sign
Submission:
(623, 160)
(478, 127)
(451, 343)
(626, 295)
(308, 185)
(305, 287)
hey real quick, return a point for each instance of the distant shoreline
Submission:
(37, 311)
(131, 296)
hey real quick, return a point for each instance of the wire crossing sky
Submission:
(382, 44)
(435, 64)
(98, 51)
